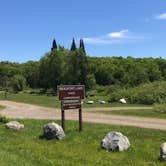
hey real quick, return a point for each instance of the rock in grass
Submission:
(14, 125)
(115, 141)
(53, 131)
(102, 101)
(163, 152)
(123, 101)
(90, 102)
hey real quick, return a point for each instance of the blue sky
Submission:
(109, 27)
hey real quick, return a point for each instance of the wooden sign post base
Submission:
(63, 119)
(80, 119)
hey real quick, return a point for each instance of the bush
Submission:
(90, 81)
(3, 119)
(160, 108)
(148, 93)
(51, 92)
(91, 93)
(18, 83)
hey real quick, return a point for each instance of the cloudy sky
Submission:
(108, 27)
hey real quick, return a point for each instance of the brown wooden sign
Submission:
(70, 92)
(70, 96)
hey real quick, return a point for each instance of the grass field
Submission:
(28, 148)
(141, 113)
(52, 101)
(2, 107)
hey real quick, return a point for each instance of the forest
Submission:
(74, 66)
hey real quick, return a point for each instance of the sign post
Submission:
(80, 119)
(63, 117)
(70, 97)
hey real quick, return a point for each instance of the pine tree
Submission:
(82, 45)
(54, 45)
(73, 45)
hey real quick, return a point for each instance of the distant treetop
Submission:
(72, 48)
(54, 45)
(73, 45)
(82, 45)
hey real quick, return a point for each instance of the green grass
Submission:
(41, 100)
(2, 107)
(52, 101)
(27, 148)
(140, 113)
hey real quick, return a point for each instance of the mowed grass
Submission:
(2, 107)
(28, 148)
(140, 113)
(52, 101)
(41, 100)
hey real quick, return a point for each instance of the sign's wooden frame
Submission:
(70, 97)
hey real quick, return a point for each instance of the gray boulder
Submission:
(115, 141)
(14, 125)
(163, 152)
(53, 131)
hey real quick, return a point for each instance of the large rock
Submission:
(53, 131)
(115, 141)
(163, 152)
(14, 125)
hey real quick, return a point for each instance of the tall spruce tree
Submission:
(54, 45)
(82, 45)
(73, 45)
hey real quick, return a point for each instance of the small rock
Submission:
(115, 141)
(53, 131)
(123, 101)
(102, 101)
(14, 125)
(90, 102)
(163, 152)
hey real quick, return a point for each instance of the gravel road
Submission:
(28, 111)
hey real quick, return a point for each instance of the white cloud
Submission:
(161, 16)
(120, 34)
(119, 37)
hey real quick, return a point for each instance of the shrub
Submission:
(148, 93)
(90, 81)
(50, 92)
(18, 83)
(160, 108)
(91, 93)
(3, 119)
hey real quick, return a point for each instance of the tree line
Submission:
(74, 66)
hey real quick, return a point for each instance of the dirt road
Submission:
(28, 111)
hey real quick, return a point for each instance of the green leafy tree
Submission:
(52, 69)
(77, 67)
(43, 71)
(31, 73)
(18, 83)
(90, 81)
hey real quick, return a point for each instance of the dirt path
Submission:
(28, 111)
